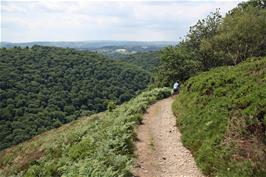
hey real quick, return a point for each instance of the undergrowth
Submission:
(98, 146)
(221, 114)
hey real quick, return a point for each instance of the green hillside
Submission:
(220, 110)
(146, 60)
(221, 114)
(99, 146)
(44, 87)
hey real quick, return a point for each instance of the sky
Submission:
(56, 20)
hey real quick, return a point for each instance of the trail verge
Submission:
(159, 150)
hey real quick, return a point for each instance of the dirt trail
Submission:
(159, 150)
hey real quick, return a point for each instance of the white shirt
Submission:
(176, 85)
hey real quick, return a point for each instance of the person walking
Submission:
(176, 88)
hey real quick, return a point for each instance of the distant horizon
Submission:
(92, 41)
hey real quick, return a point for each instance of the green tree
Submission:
(241, 35)
(177, 63)
(203, 30)
(253, 3)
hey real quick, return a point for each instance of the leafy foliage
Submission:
(253, 3)
(221, 114)
(216, 41)
(98, 146)
(44, 87)
(204, 29)
(176, 62)
(241, 35)
(146, 60)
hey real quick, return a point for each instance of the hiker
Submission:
(176, 88)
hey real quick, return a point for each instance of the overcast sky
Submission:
(24, 21)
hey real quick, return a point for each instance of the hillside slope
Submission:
(221, 114)
(146, 60)
(44, 87)
(98, 146)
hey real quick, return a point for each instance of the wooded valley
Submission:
(44, 87)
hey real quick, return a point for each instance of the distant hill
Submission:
(100, 46)
(143, 54)
(222, 117)
(44, 87)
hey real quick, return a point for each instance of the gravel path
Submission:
(159, 150)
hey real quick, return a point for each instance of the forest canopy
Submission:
(44, 87)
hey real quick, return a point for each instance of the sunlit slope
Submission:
(98, 146)
(221, 114)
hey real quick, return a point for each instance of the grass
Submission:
(98, 146)
(221, 114)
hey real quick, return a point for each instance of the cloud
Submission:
(101, 20)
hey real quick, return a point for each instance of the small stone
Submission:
(145, 171)
(138, 166)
